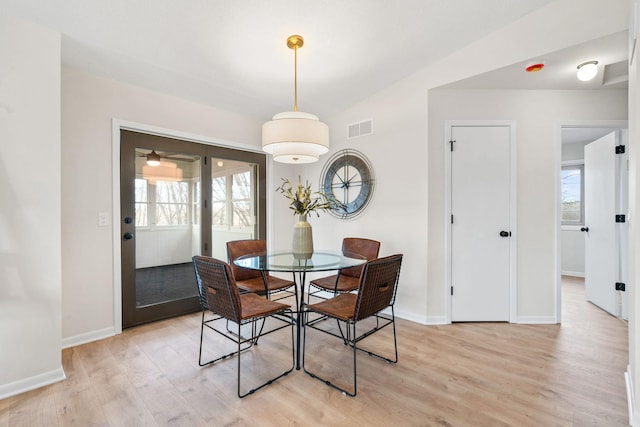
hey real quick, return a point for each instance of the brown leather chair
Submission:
(348, 279)
(377, 292)
(220, 295)
(253, 280)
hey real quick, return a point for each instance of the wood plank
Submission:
(465, 374)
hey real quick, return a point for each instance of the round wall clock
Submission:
(347, 177)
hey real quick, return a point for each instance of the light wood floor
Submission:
(474, 374)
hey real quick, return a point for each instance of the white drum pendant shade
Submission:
(295, 137)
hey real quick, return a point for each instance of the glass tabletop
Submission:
(288, 261)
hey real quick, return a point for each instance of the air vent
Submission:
(360, 129)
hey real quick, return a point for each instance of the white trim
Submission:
(576, 162)
(87, 337)
(573, 273)
(437, 320)
(621, 124)
(571, 227)
(537, 320)
(513, 297)
(411, 317)
(634, 416)
(116, 126)
(32, 383)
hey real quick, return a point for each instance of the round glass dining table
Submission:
(287, 261)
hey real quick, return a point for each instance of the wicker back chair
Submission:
(377, 292)
(348, 279)
(255, 281)
(220, 296)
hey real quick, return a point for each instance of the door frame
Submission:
(620, 124)
(448, 124)
(116, 126)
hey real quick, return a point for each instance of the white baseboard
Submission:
(634, 416)
(411, 317)
(87, 337)
(437, 320)
(573, 273)
(537, 320)
(31, 383)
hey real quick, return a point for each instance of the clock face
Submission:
(348, 178)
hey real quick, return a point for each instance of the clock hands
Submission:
(347, 178)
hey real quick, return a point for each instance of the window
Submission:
(573, 195)
(172, 203)
(232, 199)
(141, 202)
(162, 203)
(241, 200)
(219, 200)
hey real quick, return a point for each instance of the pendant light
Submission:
(294, 136)
(153, 159)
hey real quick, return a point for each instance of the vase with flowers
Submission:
(304, 201)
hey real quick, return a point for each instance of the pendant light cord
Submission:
(295, 78)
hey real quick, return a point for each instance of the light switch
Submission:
(103, 219)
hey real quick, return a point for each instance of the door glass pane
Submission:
(167, 202)
(233, 203)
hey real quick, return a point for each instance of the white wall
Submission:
(633, 377)
(538, 115)
(400, 149)
(30, 236)
(403, 136)
(89, 104)
(397, 213)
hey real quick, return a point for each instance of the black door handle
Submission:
(128, 236)
(505, 233)
(585, 229)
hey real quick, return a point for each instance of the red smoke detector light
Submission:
(534, 67)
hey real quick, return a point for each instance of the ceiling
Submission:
(559, 71)
(233, 54)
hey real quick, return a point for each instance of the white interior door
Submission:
(603, 242)
(480, 227)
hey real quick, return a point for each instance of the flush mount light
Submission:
(153, 159)
(294, 136)
(587, 70)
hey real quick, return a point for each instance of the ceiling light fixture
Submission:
(153, 159)
(587, 70)
(294, 136)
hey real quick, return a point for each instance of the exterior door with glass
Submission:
(190, 201)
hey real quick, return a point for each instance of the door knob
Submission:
(584, 229)
(505, 233)
(128, 236)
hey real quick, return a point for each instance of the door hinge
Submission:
(620, 149)
(206, 247)
(620, 286)
(621, 218)
(205, 203)
(451, 219)
(452, 290)
(451, 143)
(205, 160)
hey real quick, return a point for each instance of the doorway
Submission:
(480, 224)
(179, 199)
(593, 194)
